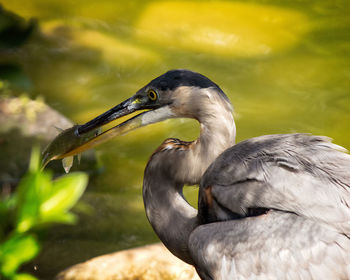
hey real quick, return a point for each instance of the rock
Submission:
(24, 123)
(143, 263)
(32, 118)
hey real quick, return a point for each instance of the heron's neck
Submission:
(177, 163)
(171, 217)
(218, 133)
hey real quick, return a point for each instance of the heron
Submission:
(270, 207)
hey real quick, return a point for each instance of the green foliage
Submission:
(38, 202)
(18, 249)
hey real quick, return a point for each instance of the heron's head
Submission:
(175, 94)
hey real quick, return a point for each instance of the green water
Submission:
(285, 65)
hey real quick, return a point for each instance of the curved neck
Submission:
(171, 217)
(176, 163)
(217, 133)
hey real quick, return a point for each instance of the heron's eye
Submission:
(152, 95)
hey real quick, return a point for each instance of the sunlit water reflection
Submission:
(284, 65)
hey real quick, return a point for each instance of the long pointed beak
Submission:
(120, 129)
(125, 108)
(83, 137)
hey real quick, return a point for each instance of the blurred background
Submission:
(285, 65)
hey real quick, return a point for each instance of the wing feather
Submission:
(276, 245)
(300, 173)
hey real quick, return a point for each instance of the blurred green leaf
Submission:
(41, 200)
(34, 164)
(63, 218)
(15, 251)
(83, 208)
(38, 200)
(24, 276)
(64, 194)
(27, 202)
(33, 189)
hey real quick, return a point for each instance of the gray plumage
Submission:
(303, 174)
(305, 179)
(271, 207)
(278, 245)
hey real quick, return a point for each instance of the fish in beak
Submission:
(80, 138)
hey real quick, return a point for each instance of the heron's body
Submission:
(271, 207)
(304, 178)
